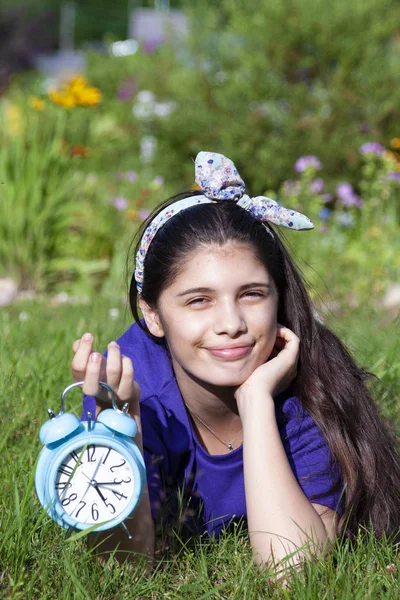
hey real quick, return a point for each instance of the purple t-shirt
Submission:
(212, 486)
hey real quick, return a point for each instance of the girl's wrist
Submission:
(255, 405)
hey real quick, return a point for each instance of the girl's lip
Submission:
(230, 353)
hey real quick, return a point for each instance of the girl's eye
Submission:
(197, 301)
(254, 294)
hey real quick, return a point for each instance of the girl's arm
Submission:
(281, 519)
(117, 371)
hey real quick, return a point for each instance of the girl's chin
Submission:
(225, 381)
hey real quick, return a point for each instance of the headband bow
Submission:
(219, 179)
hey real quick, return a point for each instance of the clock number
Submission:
(117, 466)
(80, 508)
(90, 453)
(74, 455)
(119, 495)
(95, 512)
(69, 499)
(65, 469)
(106, 456)
(63, 485)
(111, 508)
(119, 481)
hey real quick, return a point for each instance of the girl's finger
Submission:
(285, 333)
(82, 353)
(114, 365)
(127, 390)
(287, 336)
(92, 375)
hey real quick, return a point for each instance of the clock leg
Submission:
(69, 531)
(124, 527)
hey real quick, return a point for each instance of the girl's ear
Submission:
(152, 319)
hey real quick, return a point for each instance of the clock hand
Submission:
(100, 494)
(93, 483)
(94, 475)
(108, 482)
(98, 466)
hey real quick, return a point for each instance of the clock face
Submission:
(94, 484)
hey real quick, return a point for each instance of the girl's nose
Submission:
(228, 318)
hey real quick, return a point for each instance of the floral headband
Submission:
(219, 179)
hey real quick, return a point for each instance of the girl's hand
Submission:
(116, 370)
(275, 375)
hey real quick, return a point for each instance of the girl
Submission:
(247, 405)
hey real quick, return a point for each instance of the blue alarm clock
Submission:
(90, 473)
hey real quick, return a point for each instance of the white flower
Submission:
(164, 109)
(113, 313)
(143, 111)
(145, 97)
(148, 146)
(23, 316)
(145, 106)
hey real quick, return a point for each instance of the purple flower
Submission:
(344, 191)
(159, 180)
(347, 195)
(127, 90)
(327, 198)
(324, 213)
(120, 203)
(150, 45)
(131, 176)
(305, 162)
(317, 186)
(394, 176)
(143, 214)
(372, 148)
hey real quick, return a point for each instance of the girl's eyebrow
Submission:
(206, 290)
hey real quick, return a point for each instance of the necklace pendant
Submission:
(230, 447)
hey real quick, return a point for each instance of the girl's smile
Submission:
(231, 352)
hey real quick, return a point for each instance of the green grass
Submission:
(36, 558)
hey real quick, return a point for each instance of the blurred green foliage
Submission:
(268, 80)
(264, 82)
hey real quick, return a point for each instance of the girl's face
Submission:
(219, 316)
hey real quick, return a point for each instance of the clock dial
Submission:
(94, 484)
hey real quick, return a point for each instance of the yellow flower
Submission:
(76, 92)
(36, 103)
(131, 215)
(395, 143)
(77, 82)
(62, 98)
(89, 96)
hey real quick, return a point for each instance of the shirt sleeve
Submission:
(309, 456)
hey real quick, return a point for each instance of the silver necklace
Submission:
(227, 444)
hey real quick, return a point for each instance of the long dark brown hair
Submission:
(330, 385)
